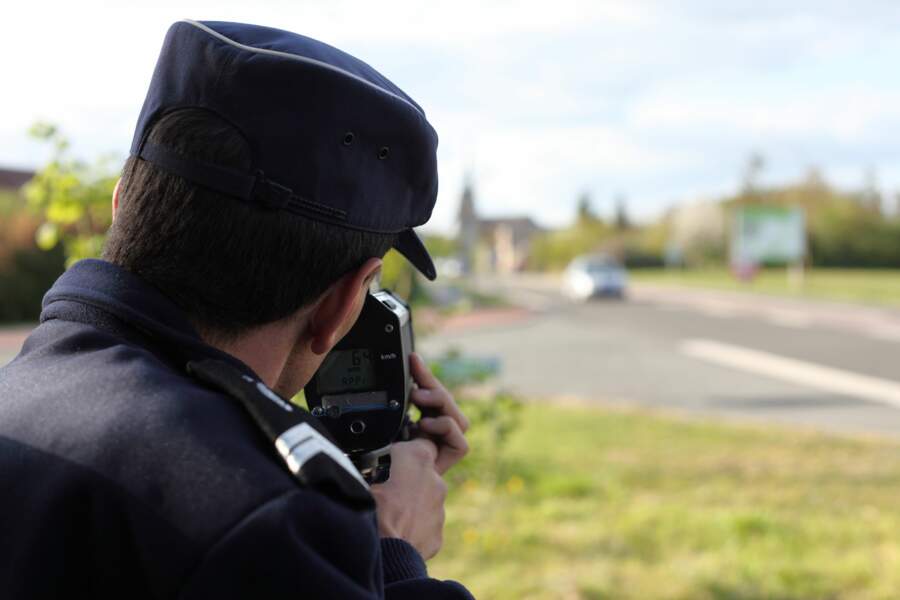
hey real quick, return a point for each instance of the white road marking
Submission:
(827, 379)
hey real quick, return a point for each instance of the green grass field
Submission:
(595, 504)
(874, 286)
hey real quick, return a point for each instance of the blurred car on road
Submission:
(594, 276)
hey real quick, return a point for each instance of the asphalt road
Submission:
(820, 365)
(11, 339)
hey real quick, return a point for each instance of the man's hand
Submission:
(441, 421)
(410, 505)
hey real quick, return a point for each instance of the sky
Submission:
(657, 102)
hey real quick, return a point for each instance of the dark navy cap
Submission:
(332, 139)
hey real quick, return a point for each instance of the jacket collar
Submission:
(100, 285)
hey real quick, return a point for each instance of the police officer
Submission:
(268, 176)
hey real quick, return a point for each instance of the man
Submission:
(269, 175)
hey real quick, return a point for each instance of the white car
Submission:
(594, 276)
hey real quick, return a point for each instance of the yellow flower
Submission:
(515, 484)
(470, 536)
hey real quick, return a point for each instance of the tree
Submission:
(870, 196)
(25, 271)
(73, 198)
(844, 229)
(553, 250)
(440, 246)
(750, 184)
(585, 212)
(622, 221)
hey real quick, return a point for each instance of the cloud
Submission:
(651, 98)
(844, 114)
(542, 171)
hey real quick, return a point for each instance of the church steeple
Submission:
(467, 214)
(467, 238)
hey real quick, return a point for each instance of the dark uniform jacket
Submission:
(122, 476)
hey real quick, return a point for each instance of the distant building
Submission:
(13, 179)
(500, 245)
(510, 242)
(467, 236)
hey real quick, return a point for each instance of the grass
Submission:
(874, 286)
(601, 504)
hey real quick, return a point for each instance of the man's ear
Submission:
(339, 307)
(115, 198)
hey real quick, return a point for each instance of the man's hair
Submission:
(228, 265)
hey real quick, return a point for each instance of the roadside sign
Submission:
(768, 235)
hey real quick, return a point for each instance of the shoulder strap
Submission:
(305, 447)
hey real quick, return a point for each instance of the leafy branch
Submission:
(72, 196)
